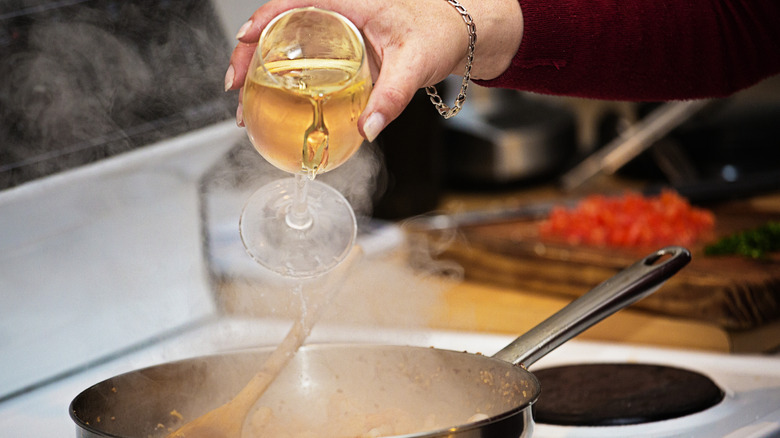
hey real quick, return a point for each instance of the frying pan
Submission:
(434, 392)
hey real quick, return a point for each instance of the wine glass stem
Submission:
(298, 216)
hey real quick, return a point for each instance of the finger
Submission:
(393, 90)
(239, 63)
(240, 108)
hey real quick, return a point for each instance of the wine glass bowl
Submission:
(306, 86)
(307, 80)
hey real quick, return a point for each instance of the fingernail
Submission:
(229, 76)
(374, 124)
(240, 116)
(243, 29)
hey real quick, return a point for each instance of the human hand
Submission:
(411, 44)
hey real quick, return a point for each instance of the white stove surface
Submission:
(751, 408)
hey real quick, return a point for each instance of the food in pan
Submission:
(344, 418)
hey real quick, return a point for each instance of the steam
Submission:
(57, 99)
(381, 292)
(77, 78)
(402, 288)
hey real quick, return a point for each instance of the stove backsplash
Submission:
(85, 80)
(111, 112)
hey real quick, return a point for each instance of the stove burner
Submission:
(620, 394)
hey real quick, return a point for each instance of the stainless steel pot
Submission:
(422, 382)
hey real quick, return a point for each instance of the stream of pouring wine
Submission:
(227, 420)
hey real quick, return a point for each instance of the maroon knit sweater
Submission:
(649, 50)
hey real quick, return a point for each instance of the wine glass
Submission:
(307, 84)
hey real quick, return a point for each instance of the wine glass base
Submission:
(302, 250)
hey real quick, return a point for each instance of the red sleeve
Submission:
(644, 49)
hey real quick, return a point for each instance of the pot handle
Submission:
(625, 288)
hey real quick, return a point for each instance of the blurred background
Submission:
(122, 178)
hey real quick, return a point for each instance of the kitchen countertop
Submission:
(505, 308)
(484, 308)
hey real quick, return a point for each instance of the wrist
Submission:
(499, 27)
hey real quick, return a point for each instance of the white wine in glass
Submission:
(307, 84)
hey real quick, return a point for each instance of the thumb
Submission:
(392, 92)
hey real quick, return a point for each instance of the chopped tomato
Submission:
(630, 220)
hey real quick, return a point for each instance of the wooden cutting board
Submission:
(739, 295)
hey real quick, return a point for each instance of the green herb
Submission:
(753, 243)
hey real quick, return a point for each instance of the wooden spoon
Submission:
(227, 420)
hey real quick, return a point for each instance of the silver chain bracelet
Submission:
(442, 107)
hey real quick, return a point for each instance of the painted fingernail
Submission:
(374, 124)
(240, 116)
(243, 29)
(229, 77)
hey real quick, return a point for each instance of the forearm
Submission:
(644, 50)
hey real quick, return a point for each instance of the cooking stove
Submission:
(104, 312)
(751, 384)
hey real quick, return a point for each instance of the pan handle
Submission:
(625, 288)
